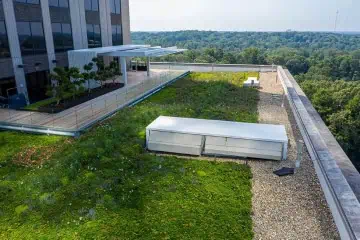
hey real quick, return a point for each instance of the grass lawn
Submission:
(104, 185)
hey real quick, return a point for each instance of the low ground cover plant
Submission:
(105, 185)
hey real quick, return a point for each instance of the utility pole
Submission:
(336, 19)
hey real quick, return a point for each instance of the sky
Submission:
(244, 15)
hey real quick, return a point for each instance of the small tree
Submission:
(104, 73)
(100, 75)
(115, 70)
(77, 82)
(66, 83)
(88, 75)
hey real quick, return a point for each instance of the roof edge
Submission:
(342, 201)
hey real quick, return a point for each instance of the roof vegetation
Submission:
(104, 185)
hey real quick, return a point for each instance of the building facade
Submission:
(35, 36)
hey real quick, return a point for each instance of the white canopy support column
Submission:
(148, 66)
(123, 69)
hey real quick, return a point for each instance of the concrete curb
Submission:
(133, 102)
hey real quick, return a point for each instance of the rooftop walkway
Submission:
(73, 120)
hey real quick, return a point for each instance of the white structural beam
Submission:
(143, 52)
(148, 66)
(124, 70)
(125, 21)
(105, 23)
(14, 46)
(78, 24)
(48, 33)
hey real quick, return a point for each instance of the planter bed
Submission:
(69, 103)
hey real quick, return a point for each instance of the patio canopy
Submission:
(79, 58)
(142, 51)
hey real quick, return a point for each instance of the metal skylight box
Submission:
(220, 138)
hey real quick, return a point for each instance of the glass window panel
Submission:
(23, 28)
(113, 27)
(62, 37)
(31, 38)
(68, 41)
(4, 44)
(33, 1)
(95, 5)
(2, 28)
(63, 3)
(97, 36)
(116, 35)
(22, 1)
(87, 5)
(54, 3)
(90, 29)
(117, 6)
(56, 27)
(26, 45)
(37, 29)
(90, 35)
(112, 6)
(38, 38)
(97, 29)
(66, 28)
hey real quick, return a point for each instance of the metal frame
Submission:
(78, 58)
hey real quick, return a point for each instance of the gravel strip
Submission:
(292, 207)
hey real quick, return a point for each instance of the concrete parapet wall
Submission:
(209, 67)
(340, 196)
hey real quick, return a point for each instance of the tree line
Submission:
(325, 56)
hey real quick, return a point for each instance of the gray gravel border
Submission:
(292, 207)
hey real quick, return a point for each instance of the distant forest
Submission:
(327, 65)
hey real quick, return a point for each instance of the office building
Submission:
(35, 36)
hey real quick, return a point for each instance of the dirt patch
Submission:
(37, 155)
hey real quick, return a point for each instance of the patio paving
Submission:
(79, 116)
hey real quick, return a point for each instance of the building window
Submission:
(59, 3)
(29, 1)
(117, 35)
(94, 35)
(31, 37)
(4, 43)
(63, 40)
(91, 5)
(115, 6)
(37, 83)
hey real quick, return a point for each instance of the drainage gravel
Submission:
(294, 206)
